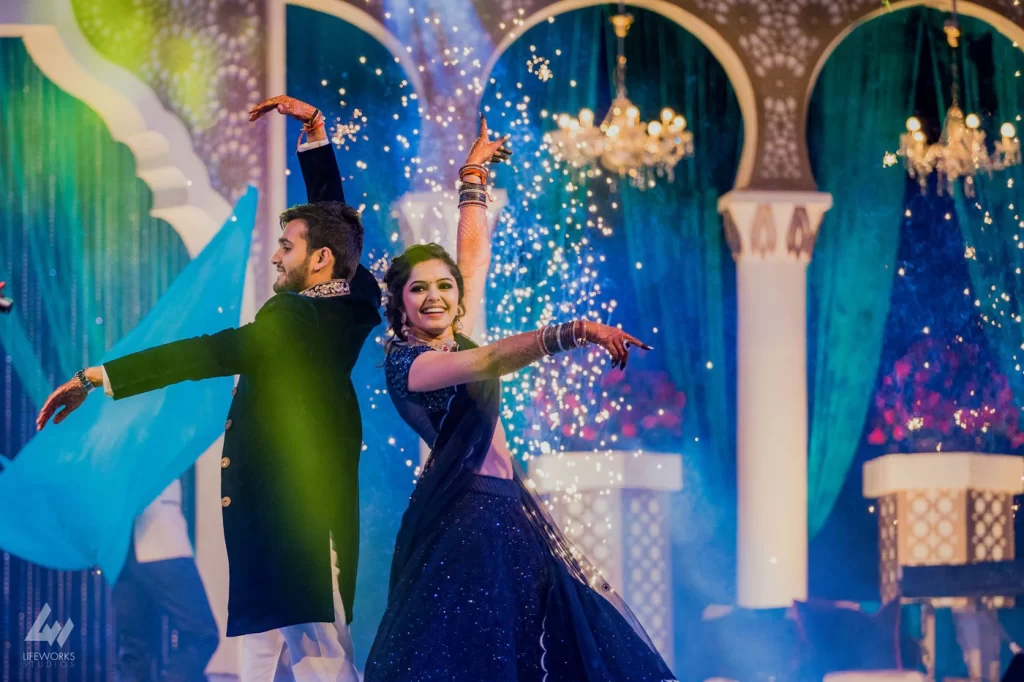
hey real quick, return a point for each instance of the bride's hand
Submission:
(289, 106)
(615, 341)
(485, 149)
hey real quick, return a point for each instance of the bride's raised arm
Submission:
(473, 250)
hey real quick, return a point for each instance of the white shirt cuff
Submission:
(106, 383)
(306, 146)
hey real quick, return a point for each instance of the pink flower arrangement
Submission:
(654, 416)
(945, 396)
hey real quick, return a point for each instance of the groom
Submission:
(293, 434)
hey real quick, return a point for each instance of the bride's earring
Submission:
(405, 325)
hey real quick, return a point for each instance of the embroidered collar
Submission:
(328, 289)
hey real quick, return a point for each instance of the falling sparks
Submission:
(549, 261)
(540, 67)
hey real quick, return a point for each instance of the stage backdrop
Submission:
(84, 262)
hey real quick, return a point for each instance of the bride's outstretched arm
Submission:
(431, 371)
(473, 250)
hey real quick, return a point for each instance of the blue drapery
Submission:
(990, 221)
(863, 97)
(685, 285)
(79, 486)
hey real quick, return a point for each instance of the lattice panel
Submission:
(593, 522)
(888, 547)
(943, 527)
(935, 531)
(626, 535)
(648, 565)
(991, 527)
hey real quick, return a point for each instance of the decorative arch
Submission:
(990, 16)
(165, 158)
(711, 38)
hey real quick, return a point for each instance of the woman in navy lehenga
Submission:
(484, 587)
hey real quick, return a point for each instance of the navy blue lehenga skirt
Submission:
(477, 591)
(485, 601)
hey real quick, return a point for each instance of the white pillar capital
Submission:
(767, 225)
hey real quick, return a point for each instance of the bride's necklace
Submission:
(443, 345)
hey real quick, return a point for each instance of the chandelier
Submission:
(622, 143)
(961, 151)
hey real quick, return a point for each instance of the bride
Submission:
(484, 587)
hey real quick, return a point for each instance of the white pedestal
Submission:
(942, 509)
(614, 507)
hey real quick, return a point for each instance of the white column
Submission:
(771, 235)
(276, 199)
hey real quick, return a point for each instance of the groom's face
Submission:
(292, 259)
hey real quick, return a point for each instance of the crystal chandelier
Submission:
(622, 143)
(961, 151)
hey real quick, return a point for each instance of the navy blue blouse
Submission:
(422, 411)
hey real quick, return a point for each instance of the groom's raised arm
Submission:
(320, 172)
(323, 183)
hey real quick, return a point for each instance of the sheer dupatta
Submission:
(589, 633)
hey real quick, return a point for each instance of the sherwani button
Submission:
(227, 425)
(225, 462)
(225, 502)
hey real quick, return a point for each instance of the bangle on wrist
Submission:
(314, 121)
(473, 169)
(540, 342)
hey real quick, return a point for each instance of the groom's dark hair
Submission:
(334, 225)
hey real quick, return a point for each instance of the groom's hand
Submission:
(68, 396)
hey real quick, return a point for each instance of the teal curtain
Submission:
(334, 66)
(80, 485)
(675, 231)
(85, 263)
(863, 97)
(567, 245)
(990, 221)
(79, 250)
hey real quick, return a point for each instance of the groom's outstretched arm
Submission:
(280, 329)
(279, 332)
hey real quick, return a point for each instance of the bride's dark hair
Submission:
(398, 275)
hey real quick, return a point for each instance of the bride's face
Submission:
(431, 299)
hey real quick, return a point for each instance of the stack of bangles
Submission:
(313, 123)
(473, 193)
(558, 338)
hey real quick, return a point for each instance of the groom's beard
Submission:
(294, 280)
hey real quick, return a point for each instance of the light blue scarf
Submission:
(69, 499)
